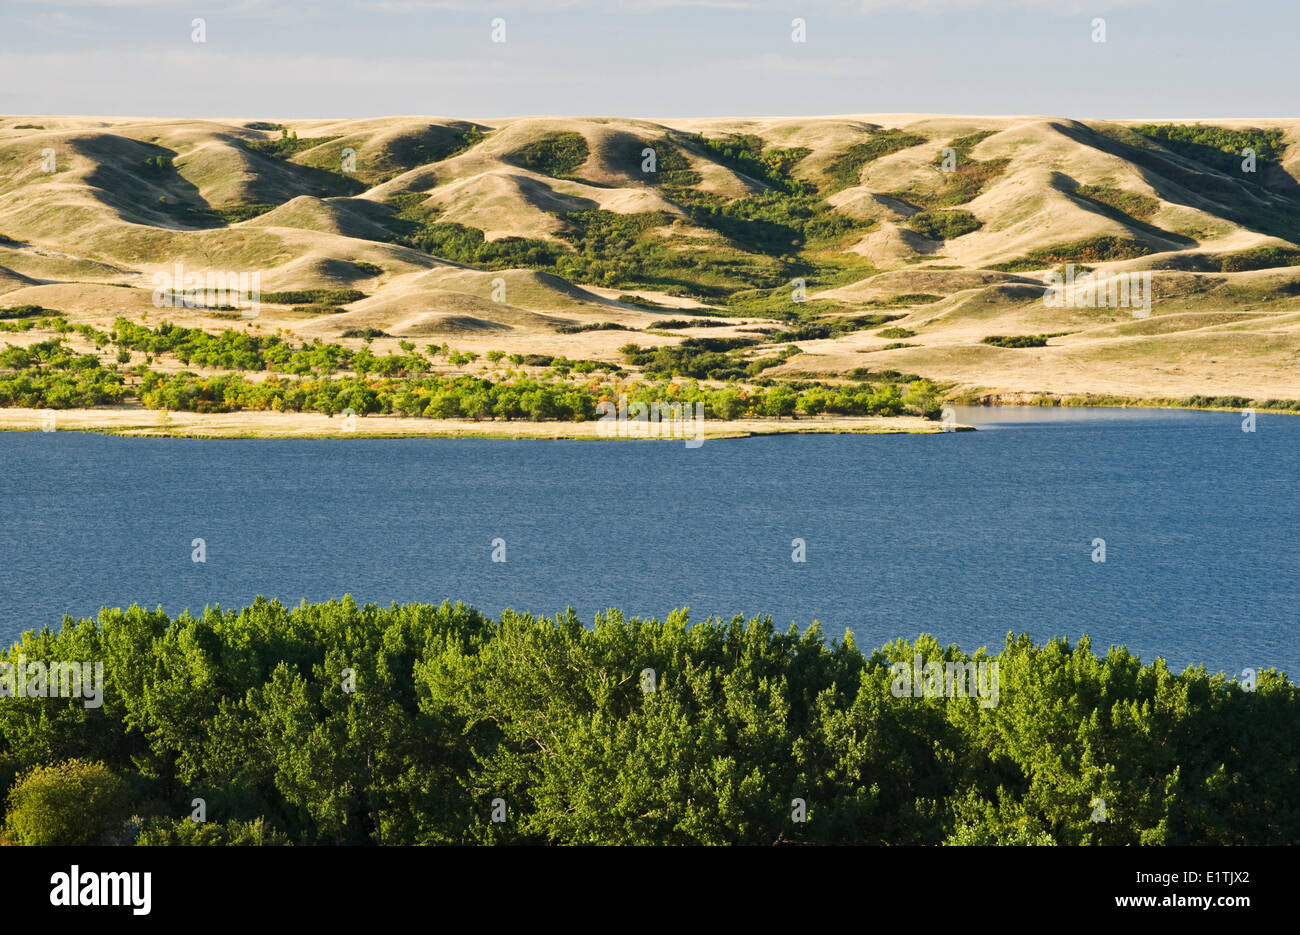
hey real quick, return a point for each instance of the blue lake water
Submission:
(966, 536)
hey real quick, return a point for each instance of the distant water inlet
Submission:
(1172, 533)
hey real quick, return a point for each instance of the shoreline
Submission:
(154, 423)
(138, 422)
(1009, 400)
(134, 421)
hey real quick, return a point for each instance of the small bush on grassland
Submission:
(591, 326)
(236, 213)
(1017, 340)
(943, 225)
(313, 297)
(23, 311)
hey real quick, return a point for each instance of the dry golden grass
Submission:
(91, 236)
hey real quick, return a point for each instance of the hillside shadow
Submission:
(1069, 187)
(1252, 206)
(129, 179)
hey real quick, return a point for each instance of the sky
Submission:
(649, 58)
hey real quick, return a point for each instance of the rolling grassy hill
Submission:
(914, 237)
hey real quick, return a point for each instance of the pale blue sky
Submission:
(649, 58)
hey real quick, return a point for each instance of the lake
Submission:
(966, 536)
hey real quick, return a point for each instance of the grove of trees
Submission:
(335, 723)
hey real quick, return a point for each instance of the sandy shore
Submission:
(150, 422)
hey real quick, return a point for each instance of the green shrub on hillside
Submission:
(956, 186)
(463, 244)
(745, 153)
(1134, 205)
(962, 147)
(672, 170)
(845, 170)
(1090, 250)
(831, 327)
(673, 324)
(591, 326)
(287, 144)
(404, 202)
(907, 298)
(556, 154)
(24, 311)
(943, 225)
(1019, 340)
(233, 214)
(314, 297)
(1257, 258)
(1218, 147)
(433, 145)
